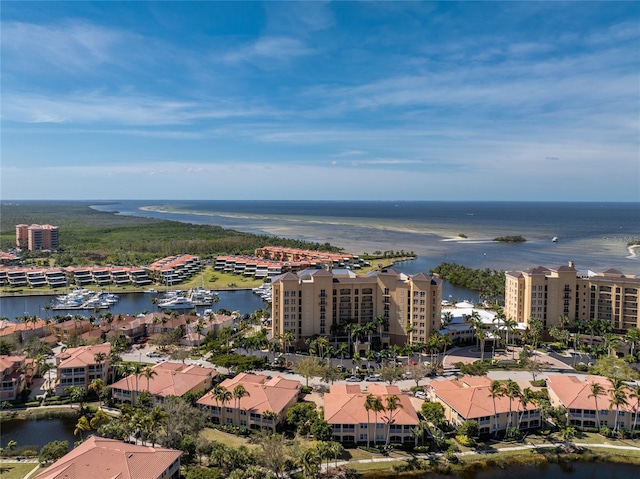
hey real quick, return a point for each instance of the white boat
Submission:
(178, 302)
(151, 291)
(201, 296)
(554, 239)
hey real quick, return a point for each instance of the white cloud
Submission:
(280, 49)
(71, 46)
(96, 107)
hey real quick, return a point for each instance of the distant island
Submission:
(510, 239)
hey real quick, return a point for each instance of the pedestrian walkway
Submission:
(522, 447)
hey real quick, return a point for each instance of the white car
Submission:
(421, 395)
(373, 377)
(353, 379)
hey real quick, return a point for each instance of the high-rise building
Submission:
(37, 237)
(318, 302)
(551, 293)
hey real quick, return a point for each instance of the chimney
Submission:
(571, 264)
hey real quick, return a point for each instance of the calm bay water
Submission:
(593, 235)
(243, 301)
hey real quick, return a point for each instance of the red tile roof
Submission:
(99, 458)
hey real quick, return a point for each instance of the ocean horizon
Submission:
(594, 236)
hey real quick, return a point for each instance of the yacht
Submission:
(554, 239)
(177, 302)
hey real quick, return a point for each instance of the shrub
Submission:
(541, 383)
(465, 440)
(306, 389)
(32, 404)
(451, 456)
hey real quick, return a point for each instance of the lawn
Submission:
(226, 438)
(16, 470)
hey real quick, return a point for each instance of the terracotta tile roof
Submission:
(344, 404)
(264, 395)
(469, 396)
(574, 392)
(81, 356)
(99, 458)
(8, 362)
(171, 379)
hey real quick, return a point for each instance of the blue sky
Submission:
(321, 100)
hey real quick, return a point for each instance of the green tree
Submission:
(81, 426)
(53, 451)
(76, 394)
(496, 390)
(238, 393)
(469, 428)
(617, 397)
(308, 367)
(596, 390)
(310, 463)
(391, 406)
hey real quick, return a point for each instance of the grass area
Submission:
(225, 438)
(16, 470)
(376, 466)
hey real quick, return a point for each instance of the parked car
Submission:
(421, 395)
(353, 379)
(372, 377)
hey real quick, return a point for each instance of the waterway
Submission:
(582, 470)
(244, 301)
(37, 432)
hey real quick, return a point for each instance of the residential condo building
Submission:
(316, 301)
(550, 293)
(37, 237)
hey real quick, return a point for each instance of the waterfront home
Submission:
(23, 331)
(80, 366)
(71, 328)
(345, 411)
(16, 373)
(470, 398)
(167, 379)
(307, 303)
(566, 292)
(265, 405)
(585, 408)
(101, 458)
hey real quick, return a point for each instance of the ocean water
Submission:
(592, 235)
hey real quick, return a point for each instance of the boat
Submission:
(554, 239)
(177, 302)
(151, 291)
(201, 296)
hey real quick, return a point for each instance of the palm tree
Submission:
(496, 390)
(96, 386)
(635, 394)
(377, 406)
(158, 419)
(309, 462)
(632, 338)
(596, 390)
(368, 405)
(482, 335)
(82, 426)
(273, 418)
(149, 373)
(392, 404)
(527, 397)
(238, 393)
(512, 391)
(618, 397)
(610, 343)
